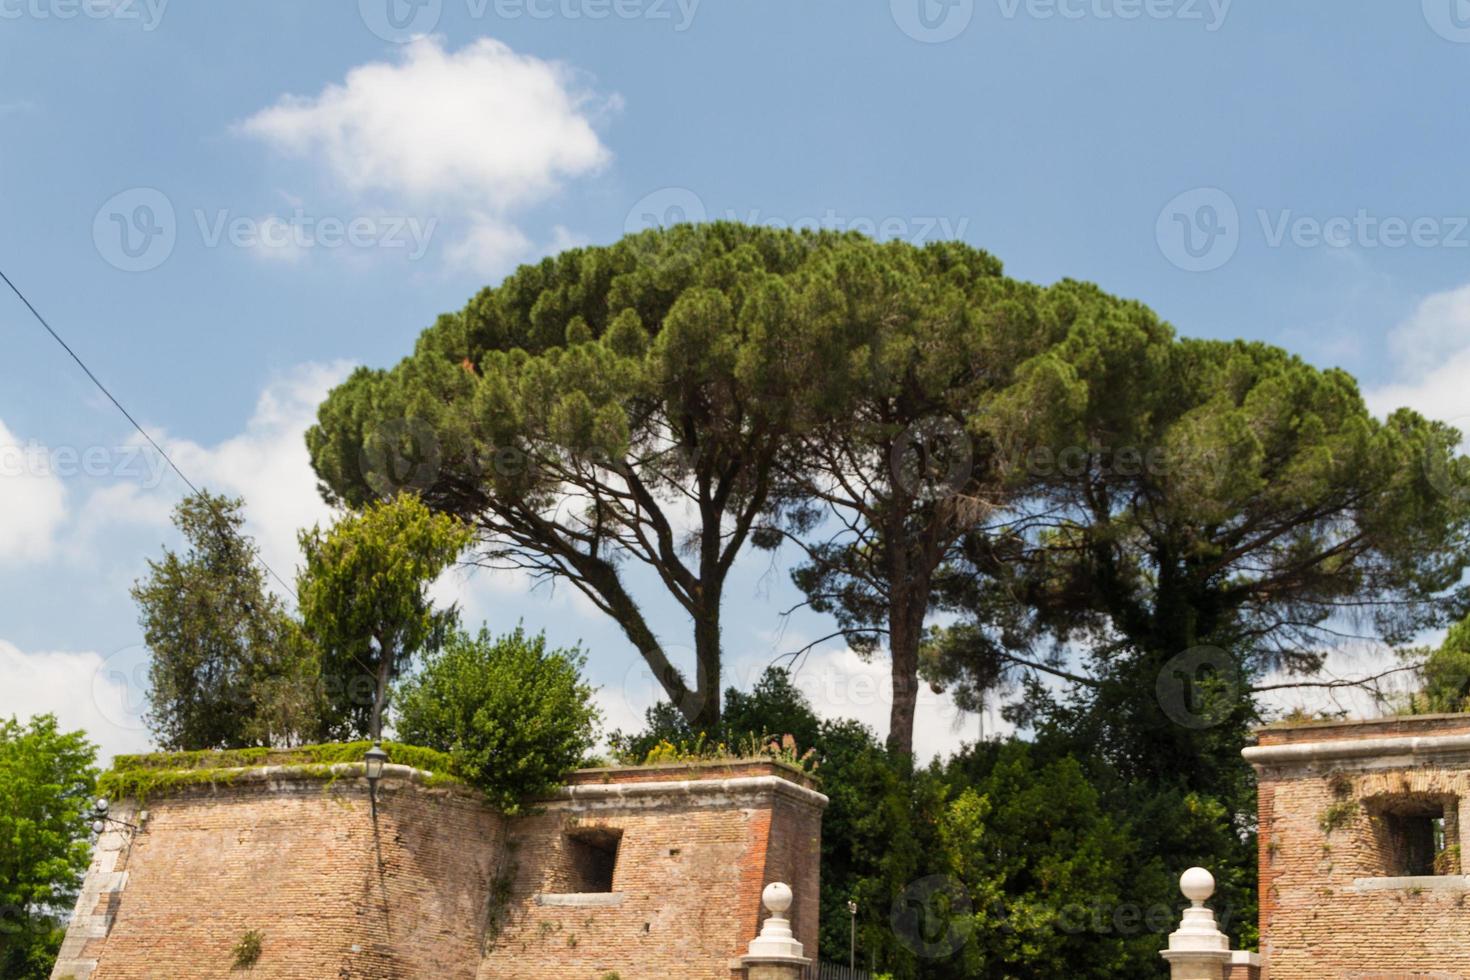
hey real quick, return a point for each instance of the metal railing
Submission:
(831, 971)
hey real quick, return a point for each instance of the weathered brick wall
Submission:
(442, 886)
(1331, 904)
(686, 890)
(298, 861)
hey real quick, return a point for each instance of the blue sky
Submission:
(224, 207)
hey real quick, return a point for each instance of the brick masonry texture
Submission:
(1333, 901)
(444, 887)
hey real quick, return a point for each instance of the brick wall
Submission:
(1332, 904)
(298, 861)
(692, 862)
(440, 885)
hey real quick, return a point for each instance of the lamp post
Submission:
(852, 935)
(373, 764)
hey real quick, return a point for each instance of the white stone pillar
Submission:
(1198, 950)
(775, 954)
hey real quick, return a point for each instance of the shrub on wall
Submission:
(514, 716)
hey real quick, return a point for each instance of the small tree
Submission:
(230, 667)
(46, 784)
(515, 716)
(1445, 675)
(364, 599)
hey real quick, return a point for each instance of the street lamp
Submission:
(100, 819)
(373, 764)
(852, 935)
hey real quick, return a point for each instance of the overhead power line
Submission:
(255, 552)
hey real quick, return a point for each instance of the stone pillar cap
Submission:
(1198, 935)
(776, 942)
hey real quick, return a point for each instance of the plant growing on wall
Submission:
(247, 950)
(1337, 816)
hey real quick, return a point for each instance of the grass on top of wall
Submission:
(140, 776)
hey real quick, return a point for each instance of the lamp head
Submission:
(375, 759)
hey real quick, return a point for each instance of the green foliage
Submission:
(247, 950)
(1337, 815)
(652, 400)
(1227, 506)
(140, 777)
(46, 787)
(229, 667)
(364, 599)
(1040, 875)
(774, 721)
(513, 716)
(904, 454)
(1230, 496)
(1445, 675)
(750, 748)
(1039, 860)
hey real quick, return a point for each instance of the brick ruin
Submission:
(1361, 872)
(631, 873)
(659, 871)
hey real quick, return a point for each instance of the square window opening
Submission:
(592, 858)
(1418, 836)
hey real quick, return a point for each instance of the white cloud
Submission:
(841, 684)
(1440, 327)
(101, 695)
(1431, 351)
(482, 131)
(32, 499)
(276, 243)
(268, 464)
(489, 247)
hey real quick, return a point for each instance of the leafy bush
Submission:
(513, 716)
(46, 786)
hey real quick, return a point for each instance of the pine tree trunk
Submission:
(703, 711)
(380, 696)
(905, 632)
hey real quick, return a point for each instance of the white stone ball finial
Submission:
(776, 941)
(777, 897)
(1198, 885)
